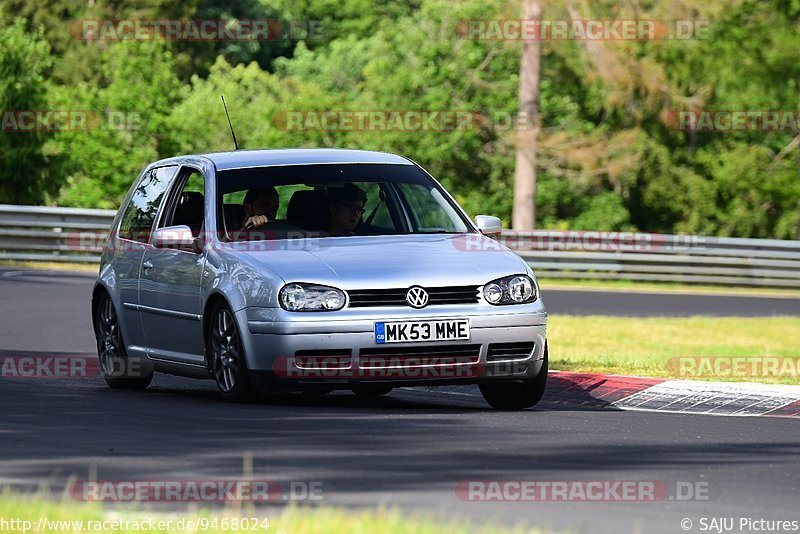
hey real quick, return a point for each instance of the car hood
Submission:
(373, 262)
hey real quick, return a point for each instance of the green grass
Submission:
(293, 519)
(644, 346)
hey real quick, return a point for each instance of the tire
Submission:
(119, 371)
(226, 356)
(372, 392)
(517, 396)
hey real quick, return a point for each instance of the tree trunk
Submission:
(524, 215)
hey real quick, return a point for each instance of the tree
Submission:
(524, 215)
(139, 90)
(28, 174)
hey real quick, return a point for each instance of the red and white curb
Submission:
(676, 396)
(597, 391)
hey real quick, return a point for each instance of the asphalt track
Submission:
(408, 450)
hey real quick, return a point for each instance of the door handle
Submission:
(147, 265)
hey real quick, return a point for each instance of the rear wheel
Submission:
(226, 356)
(118, 370)
(517, 396)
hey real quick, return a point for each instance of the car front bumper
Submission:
(337, 350)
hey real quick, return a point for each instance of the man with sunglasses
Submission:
(346, 205)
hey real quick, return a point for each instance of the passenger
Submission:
(346, 205)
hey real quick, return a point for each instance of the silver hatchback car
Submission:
(313, 270)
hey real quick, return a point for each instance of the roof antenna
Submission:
(235, 143)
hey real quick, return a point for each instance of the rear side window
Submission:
(137, 221)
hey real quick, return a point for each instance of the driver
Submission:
(260, 207)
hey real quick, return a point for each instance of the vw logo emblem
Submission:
(417, 297)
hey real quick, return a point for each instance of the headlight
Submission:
(515, 289)
(493, 293)
(310, 297)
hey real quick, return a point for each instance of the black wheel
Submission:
(372, 392)
(226, 356)
(517, 396)
(118, 370)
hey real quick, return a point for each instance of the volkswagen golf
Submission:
(313, 270)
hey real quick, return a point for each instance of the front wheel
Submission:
(118, 370)
(226, 356)
(517, 396)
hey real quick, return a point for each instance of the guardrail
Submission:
(29, 233)
(33, 233)
(659, 257)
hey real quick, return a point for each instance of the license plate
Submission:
(411, 331)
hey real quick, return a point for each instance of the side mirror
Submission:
(180, 237)
(488, 225)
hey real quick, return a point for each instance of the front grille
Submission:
(509, 351)
(363, 298)
(323, 359)
(416, 356)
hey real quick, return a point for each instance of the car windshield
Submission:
(299, 201)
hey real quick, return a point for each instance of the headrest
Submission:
(308, 209)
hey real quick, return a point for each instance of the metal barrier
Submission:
(659, 257)
(30, 233)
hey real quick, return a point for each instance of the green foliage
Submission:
(257, 102)
(133, 104)
(28, 171)
(609, 156)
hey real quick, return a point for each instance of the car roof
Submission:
(295, 156)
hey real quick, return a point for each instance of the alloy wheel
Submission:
(226, 350)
